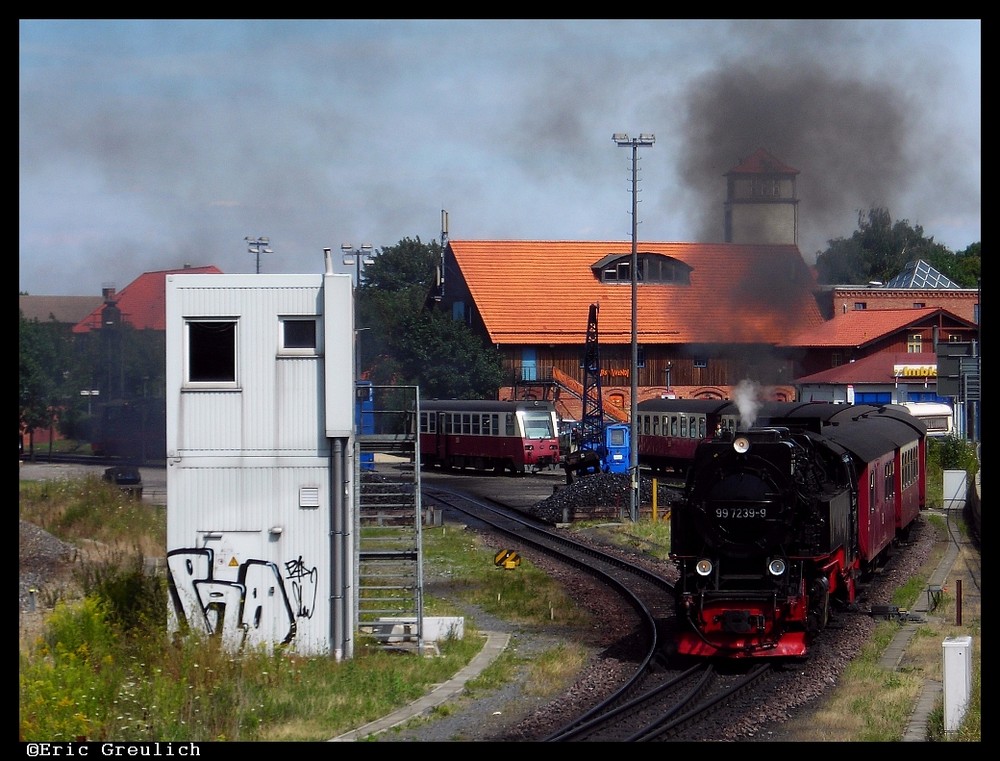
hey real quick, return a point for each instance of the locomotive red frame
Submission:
(489, 435)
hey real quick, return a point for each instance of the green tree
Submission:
(403, 340)
(41, 384)
(962, 267)
(879, 250)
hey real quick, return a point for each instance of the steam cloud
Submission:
(748, 398)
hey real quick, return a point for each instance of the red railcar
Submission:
(516, 436)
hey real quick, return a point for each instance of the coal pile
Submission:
(601, 496)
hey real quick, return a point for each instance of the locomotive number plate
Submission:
(737, 513)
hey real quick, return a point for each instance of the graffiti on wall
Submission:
(253, 608)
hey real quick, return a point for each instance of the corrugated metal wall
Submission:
(255, 541)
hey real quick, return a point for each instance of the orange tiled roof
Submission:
(531, 292)
(859, 327)
(143, 302)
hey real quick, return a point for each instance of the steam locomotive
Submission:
(782, 525)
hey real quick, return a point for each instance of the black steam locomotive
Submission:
(780, 525)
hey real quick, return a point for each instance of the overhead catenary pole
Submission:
(624, 141)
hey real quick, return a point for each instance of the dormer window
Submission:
(653, 268)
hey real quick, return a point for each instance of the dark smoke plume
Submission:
(847, 137)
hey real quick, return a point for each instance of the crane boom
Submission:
(592, 422)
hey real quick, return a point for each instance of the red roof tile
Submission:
(531, 292)
(878, 368)
(859, 327)
(143, 302)
(762, 162)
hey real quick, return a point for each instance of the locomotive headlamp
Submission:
(703, 567)
(776, 567)
(741, 444)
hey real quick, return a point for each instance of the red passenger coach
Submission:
(670, 430)
(520, 436)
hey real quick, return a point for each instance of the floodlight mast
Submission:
(624, 141)
(258, 246)
(357, 257)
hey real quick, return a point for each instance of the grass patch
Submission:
(104, 668)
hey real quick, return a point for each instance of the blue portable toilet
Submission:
(364, 418)
(617, 450)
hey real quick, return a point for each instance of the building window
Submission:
(915, 343)
(954, 339)
(652, 268)
(764, 188)
(860, 305)
(662, 269)
(297, 336)
(918, 305)
(700, 362)
(461, 312)
(640, 356)
(618, 272)
(836, 359)
(210, 353)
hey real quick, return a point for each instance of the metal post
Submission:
(357, 257)
(624, 141)
(633, 505)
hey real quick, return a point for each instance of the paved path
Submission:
(495, 644)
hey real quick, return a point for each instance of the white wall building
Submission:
(260, 448)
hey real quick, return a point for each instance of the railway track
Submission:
(656, 700)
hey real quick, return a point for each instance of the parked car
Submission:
(126, 477)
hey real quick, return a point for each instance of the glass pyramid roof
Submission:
(919, 274)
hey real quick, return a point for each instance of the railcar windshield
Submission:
(538, 424)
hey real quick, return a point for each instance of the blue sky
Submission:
(148, 144)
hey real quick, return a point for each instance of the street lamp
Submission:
(90, 393)
(624, 141)
(357, 257)
(258, 246)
